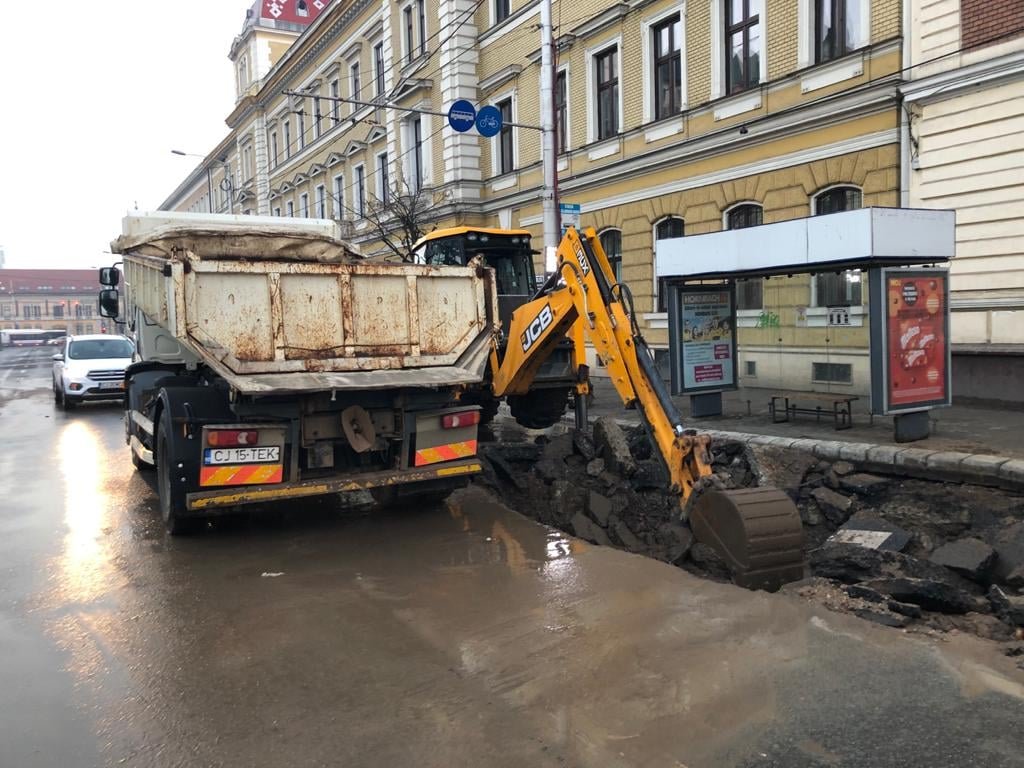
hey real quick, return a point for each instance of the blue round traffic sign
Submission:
(461, 115)
(488, 121)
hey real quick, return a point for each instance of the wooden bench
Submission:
(792, 403)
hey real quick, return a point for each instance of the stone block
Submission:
(970, 557)
(1012, 473)
(853, 452)
(834, 506)
(843, 468)
(863, 483)
(613, 447)
(827, 449)
(946, 462)
(600, 508)
(914, 458)
(585, 528)
(884, 455)
(981, 465)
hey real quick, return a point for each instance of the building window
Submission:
(275, 156)
(668, 92)
(410, 43)
(58, 310)
(361, 190)
(832, 373)
(290, 208)
(339, 197)
(502, 10)
(321, 202)
(301, 8)
(506, 149)
(301, 127)
(837, 289)
(749, 293)
(673, 226)
(561, 111)
(335, 104)
(416, 136)
(287, 138)
(356, 86)
(607, 71)
(611, 242)
(751, 368)
(277, 210)
(742, 45)
(378, 67)
(317, 117)
(836, 28)
(743, 216)
(304, 205)
(383, 182)
(421, 12)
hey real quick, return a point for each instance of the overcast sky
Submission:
(95, 96)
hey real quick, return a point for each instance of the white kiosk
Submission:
(908, 309)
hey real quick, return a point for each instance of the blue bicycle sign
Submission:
(488, 121)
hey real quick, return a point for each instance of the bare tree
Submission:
(402, 217)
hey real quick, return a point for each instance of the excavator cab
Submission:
(509, 253)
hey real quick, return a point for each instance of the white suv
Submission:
(90, 368)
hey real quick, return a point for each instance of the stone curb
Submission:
(942, 466)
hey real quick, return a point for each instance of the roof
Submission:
(48, 281)
(96, 336)
(437, 234)
(861, 239)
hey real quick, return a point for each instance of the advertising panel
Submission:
(708, 338)
(915, 352)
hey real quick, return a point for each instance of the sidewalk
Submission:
(966, 429)
(968, 444)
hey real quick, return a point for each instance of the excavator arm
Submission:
(757, 531)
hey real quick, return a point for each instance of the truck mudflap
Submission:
(209, 501)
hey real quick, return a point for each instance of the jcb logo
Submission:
(537, 327)
(581, 257)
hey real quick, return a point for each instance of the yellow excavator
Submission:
(757, 530)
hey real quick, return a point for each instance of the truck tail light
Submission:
(223, 438)
(462, 419)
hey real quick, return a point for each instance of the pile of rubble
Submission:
(897, 551)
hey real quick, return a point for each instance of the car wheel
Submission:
(69, 403)
(172, 495)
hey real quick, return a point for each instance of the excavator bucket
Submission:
(756, 530)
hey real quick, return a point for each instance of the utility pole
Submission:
(549, 156)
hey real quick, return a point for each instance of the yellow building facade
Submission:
(675, 119)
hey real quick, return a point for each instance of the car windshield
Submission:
(96, 349)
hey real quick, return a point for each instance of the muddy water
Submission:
(437, 636)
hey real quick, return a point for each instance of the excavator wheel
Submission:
(539, 408)
(757, 531)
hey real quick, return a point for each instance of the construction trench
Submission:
(915, 555)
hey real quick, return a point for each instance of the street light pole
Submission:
(548, 152)
(209, 180)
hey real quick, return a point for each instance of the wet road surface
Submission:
(313, 635)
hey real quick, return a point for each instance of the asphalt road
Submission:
(316, 634)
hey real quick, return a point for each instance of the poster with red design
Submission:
(708, 341)
(917, 338)
(294, 11)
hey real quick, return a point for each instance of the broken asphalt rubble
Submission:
(894, 550)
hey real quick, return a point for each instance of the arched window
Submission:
(837, 289)
(669, 227)
(749, 293)
(611, 242)
(744, 215)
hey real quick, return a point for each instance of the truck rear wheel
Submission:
(539, 408)
(173, 507)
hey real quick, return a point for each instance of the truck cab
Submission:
(509, 253)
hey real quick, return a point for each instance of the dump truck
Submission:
(274, 362)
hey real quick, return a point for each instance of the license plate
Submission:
(253, 454)
(111, 385)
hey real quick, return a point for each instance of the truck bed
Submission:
(269, 325)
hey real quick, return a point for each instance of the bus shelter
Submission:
(904, 321)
